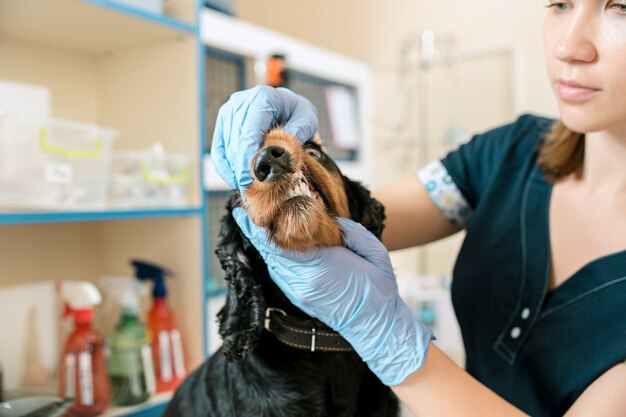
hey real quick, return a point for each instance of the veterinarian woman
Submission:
(539, 285)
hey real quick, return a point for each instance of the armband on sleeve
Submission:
(445, 193)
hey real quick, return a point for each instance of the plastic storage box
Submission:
(151, 178)
(53, 163)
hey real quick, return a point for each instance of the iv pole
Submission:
(427, 61)
(427, 58)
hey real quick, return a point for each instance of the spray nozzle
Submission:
(67, 310)
(126, 290)
(79, 299)
(149, 271)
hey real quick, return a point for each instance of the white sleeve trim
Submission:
(444, 193)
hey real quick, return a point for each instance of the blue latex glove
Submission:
(245, 118)
(353, 290)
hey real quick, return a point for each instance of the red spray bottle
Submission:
(167, 350)
(83, 365)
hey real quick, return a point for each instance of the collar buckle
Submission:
(268, 316)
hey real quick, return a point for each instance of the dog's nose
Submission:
(271, 163)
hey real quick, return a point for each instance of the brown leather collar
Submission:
(302, 334)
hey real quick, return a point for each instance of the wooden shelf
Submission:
(88, 26)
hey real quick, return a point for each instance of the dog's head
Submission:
(296, 194)
(298, 191)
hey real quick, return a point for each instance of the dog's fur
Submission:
(253, 374)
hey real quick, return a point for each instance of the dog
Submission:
(275, 361)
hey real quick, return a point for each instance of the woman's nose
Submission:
(576, 43)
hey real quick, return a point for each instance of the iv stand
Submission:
(427, 58)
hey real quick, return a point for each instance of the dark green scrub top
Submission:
(536, 348)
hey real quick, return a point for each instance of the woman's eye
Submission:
(314, 153)
(559, 7)
(620, 7)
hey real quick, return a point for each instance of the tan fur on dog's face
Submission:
(298, 208)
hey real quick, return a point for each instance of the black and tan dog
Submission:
(275, 360)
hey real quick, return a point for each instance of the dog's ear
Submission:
(241, 318)
(364, 208)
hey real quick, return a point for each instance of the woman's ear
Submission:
(364, 208)
(241, 318)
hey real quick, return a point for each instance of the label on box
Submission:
(58, 173)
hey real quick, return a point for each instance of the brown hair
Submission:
(561, 152)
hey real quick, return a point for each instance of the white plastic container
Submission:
(53, 164)
(151, 178)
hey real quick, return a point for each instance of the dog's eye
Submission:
(314, 153)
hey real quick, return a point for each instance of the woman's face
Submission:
(585, 47)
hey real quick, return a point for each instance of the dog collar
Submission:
(304, 334)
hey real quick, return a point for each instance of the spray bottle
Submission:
(167, 348)
(83, 365)
(130, 364)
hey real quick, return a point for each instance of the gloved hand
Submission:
(353, 290)
(245, 118)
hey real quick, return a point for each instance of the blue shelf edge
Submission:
(162, 20)
(216, 292)
(93, 216)
(149, 411)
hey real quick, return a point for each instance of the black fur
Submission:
(254, 375)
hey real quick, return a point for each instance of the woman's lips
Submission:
(574, 92)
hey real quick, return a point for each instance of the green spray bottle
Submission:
(131, 369)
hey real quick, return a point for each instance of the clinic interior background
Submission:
(488, 68)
